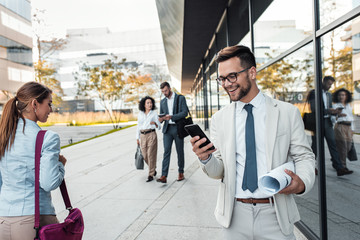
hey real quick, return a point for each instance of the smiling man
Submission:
(253, 135)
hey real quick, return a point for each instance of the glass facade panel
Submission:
(290, 80)
(282, 25)
(330, 10)
(208, 98)
(238, 28)
(341, 61)
(214, 90)
(221, 40)
(20, 7)
(15, 52)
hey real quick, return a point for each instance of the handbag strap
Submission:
(64, 193)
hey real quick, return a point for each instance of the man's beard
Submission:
(244, 90)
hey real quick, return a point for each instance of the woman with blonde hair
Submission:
(18, 132)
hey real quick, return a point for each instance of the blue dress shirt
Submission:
(17, 172)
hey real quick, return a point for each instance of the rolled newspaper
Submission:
(276, 180)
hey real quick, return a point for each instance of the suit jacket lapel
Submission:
(329, 100)
(272, 115)
(165, 106)
(175, 103)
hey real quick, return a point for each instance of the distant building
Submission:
(15, 46)
(142, 48)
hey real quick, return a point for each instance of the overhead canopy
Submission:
(187, 28)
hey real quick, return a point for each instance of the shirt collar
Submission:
(28, 122)
(256, 101)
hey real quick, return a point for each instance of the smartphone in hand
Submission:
(195, 130)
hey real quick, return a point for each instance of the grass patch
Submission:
(108, 132)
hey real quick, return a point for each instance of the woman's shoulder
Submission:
(154, 112)
(51, 138)
(50, 133)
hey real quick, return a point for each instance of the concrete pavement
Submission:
(117, 203)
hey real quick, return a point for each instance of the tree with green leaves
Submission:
(110, 83)
(341, 70)
(277, 78)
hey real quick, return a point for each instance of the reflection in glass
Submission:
(331, 10)
(290, 80)
(214, 92)
(280, 27)
(340, 59)
(223, 97)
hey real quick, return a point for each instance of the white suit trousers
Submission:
(255, 222)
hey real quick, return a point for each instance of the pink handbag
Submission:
(73, 226)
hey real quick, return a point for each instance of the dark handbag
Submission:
(352, 156)
(139, 159)
(182, 133)
(73, 226)
(180, 124)
(309, 121)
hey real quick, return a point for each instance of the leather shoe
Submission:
(162, 179)
(150, 178)
(344, 171)
(181, 177)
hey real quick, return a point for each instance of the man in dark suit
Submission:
(175, 108)
(328, 126)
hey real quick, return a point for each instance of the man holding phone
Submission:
(253, 135)
(174, 108)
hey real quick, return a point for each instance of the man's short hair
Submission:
(328, 78)
(244, 53)
(164, 84)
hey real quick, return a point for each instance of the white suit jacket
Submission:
(285, 141)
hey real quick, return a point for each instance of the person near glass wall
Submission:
(344, 128)
(146, 136)
(329, 111)
(18, 132)
(253, 135)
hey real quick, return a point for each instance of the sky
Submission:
(117, 15)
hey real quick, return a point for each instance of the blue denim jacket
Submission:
(17, 172)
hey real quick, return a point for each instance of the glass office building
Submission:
(296, 43)
(16, 43)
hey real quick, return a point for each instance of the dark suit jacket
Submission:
(311, 100)
(180, 109)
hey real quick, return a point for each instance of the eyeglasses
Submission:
(232, 77)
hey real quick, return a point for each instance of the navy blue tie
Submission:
(250, 180)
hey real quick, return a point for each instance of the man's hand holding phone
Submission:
(204, 152)
(163, 116)
(202, 146)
